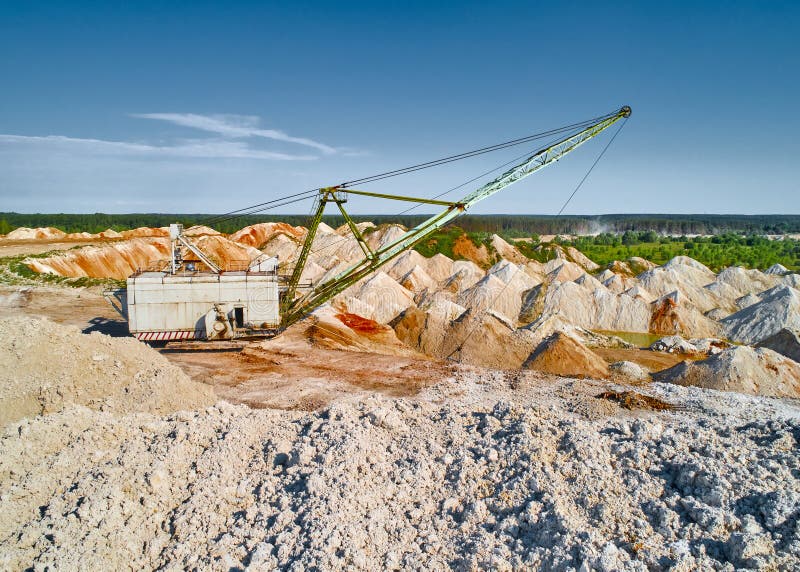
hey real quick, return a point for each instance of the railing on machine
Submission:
(193, 268)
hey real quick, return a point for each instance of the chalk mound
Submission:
(226, 253)
(201, 230)
(344, 230)
(121, 259)
(776, 269)
(491, 292)
(673, 314)
(418, 281)
(465, 274)
(118, 260)
(688, 277)
(488, 339)
(46, 366)
(24, 233)
(440, 267)
(386, 296)
(746, 281)
(691, 263)
(257, 235)
(563, 270)
(405, 263)
(792, 280)
(786, 342)
(286, 248)
(561, 354)
(507, 251)
(109, 233)
(384, 235)
(331, 328)
(638, 264)
(580, 258)
(628, 371)
(144, 231)
(427, 328)
(757, 371)
(747, 301)
(779, 308)
(588, 304)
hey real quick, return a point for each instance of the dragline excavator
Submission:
(193, 297)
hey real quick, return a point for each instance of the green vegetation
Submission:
(441, 241)
(514, 226)
(716, 252)
(444, 241)
(734, 240)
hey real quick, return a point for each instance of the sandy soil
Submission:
(284, 375)
(85, 308)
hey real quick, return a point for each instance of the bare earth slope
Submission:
(560, 354)
(46, 366)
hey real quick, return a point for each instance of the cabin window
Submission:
(238, 315)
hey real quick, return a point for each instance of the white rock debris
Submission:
(469, 475)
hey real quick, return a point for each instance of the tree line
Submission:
(507, 225)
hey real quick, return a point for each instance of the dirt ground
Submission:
(288, 372)
(285, 373)
(652, 361)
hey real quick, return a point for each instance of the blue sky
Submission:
(209, 107)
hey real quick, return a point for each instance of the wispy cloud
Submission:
(234, 127)
(195, 148)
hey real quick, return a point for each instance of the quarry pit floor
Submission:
(284, 373)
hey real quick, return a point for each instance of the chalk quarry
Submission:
(547, 440)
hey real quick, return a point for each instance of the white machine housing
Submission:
(163, 307)
(180, 302)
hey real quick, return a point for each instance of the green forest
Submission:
(728, 239)
(716, 252)
(507, 225)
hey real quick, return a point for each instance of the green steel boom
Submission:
(294, 309)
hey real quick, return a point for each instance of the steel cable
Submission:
(254, 209)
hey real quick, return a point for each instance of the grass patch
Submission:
(441, 241)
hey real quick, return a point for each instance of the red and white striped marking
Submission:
(165, 336)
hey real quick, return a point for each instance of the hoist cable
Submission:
(464, 184)
(596, 161)
(474, 153)
(254, 209)
(272, 206)
(226, 216)
(490, 171)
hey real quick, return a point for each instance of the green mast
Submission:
(295, 309)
